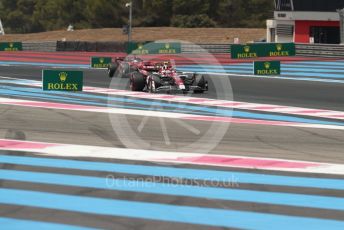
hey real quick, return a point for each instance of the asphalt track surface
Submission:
(243, 139)
(274, 91)
(87, 128)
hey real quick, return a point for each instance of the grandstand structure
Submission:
(306, 21)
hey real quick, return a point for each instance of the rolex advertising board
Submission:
(262, 50)
(139, 48)
(100, 62)
(60, 80)
(267, 68)
(11, 46)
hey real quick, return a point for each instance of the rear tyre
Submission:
(201, 83)
(112, 69)
(137, 82)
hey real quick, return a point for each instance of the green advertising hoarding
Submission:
(267, 68)
(154, 48)
(138, 47)
(11, 46)
(100, 62)
(61, 80)
(262, 50)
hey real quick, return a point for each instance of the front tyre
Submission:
(137, 82)
(154, 82)
(112, 69)
(201, 83)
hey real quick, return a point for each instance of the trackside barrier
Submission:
(206, 48)
(320, 50)
(48, 46)
(90, 46)
(316, 50)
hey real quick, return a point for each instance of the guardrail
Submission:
(87, 46)
(319, 50)
(49, 46)
(205, 48)
(316, 50)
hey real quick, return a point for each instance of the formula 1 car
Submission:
(167, 79)
(123, 67)
(156, 76)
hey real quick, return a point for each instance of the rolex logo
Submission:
(246, 49)
(101, 60)
(167, 46)
(279, 47)
(63, 76)
(140, 46)
(267, 65)
(11, 45)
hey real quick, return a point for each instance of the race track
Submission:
(267, 152)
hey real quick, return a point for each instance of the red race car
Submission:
(156, 76)
(167, 79)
